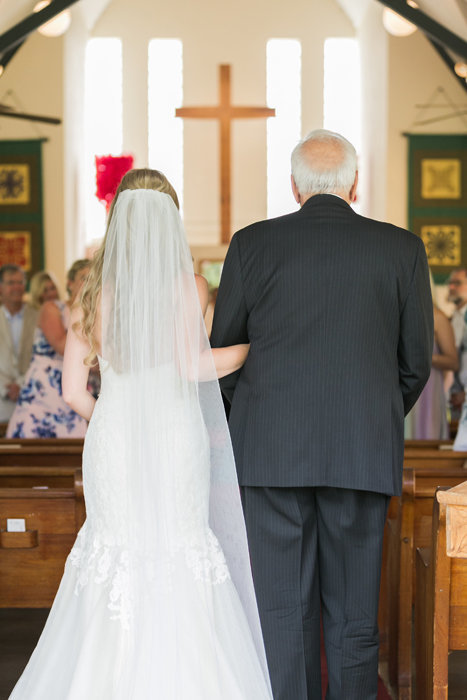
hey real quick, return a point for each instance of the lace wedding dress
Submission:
(157, 598)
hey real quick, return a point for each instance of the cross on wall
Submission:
(225, 112)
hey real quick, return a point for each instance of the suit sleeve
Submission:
(416, 333)
(229, 325)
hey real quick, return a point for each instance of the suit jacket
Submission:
(338, 311)
(13, 367)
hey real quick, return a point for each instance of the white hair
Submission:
(316, 178)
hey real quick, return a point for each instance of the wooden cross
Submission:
(225, 112)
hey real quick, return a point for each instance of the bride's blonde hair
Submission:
(137, 179)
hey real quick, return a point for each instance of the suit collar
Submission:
(326, 200)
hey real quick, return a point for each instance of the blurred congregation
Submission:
(439, 413)
(33, 325)
(34, 319)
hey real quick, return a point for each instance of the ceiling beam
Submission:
(429, 26)
(8, 55)
(448, 61)
(21, 31)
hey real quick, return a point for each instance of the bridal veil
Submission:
(181, 526)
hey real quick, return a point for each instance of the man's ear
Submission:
(353, 189)
(295, 191)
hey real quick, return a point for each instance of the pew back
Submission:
(41, 452)
(408, 527)
(31, 562)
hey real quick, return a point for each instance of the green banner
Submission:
(21, 215)
(437, 198)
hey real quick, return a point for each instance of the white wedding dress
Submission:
(148, 607)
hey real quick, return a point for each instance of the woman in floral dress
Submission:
(41, 411)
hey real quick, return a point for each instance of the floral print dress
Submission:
(41, 411)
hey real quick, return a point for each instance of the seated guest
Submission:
(42, 288)
(17, 324)
(428, 418)
(41, 410)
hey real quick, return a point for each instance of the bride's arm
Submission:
(75, 372)
(228, 359)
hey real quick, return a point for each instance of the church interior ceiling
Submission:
(444, 23)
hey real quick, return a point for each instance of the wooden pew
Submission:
(408, 527)
(427, 444)
(41, 452)
(425, 454)
(50, 499)
(441, 605)
(434, 457)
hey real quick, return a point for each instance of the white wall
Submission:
(35, 75)
(212, 33)
(397, 75)
(414, 73)
(373, 41)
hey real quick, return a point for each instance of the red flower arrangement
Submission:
(109, 172)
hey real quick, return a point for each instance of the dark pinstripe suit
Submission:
(338, 312)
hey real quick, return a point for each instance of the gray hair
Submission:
(9, 268)
(316, 179)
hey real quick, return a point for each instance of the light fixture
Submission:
(55, 26)
(397, 25)
(460, 69)
(413, 4)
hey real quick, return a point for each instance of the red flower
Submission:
(109, 172)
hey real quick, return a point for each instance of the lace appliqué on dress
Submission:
(104, 565)
(206, 559)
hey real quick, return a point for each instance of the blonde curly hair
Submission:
(88, 300)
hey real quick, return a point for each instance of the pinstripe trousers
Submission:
(317, 550)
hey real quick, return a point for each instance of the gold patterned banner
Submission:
(442, 244)
(437, 201)
(15, 184)
(441, 178)
(15, 248)
(21, 222)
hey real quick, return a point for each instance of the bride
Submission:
(157, 597)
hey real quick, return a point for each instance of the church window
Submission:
(342, 96)
(283, 76)
(103, 127)
(165, 94)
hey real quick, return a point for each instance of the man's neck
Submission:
(305, 198)
(13, 308)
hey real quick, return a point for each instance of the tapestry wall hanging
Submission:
(21, 219)
(438, 198)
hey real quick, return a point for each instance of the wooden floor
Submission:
(20, 630)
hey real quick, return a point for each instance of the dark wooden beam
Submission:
(21, 31)
(448, 61)
(6, 111)
(429, 26)
(8, 55)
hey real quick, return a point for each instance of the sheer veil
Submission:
(181, 524)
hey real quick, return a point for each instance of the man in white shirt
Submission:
(17, 325)
(457, 285)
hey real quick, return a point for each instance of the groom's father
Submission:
(337, 308)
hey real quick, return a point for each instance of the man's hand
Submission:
(13, 391)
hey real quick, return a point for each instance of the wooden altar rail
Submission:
(31, 562)
(441, 604)
(408, 527)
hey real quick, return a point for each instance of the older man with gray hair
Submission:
(337, 309)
